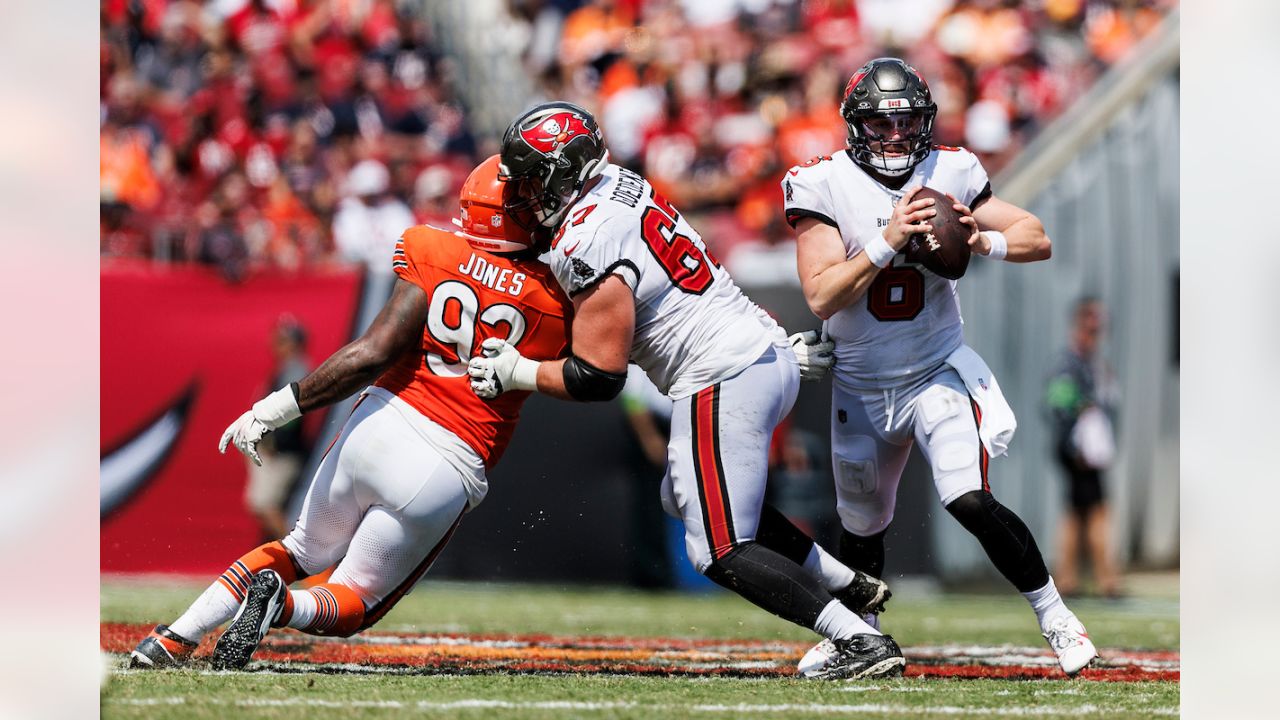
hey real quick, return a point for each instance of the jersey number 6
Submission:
(685, 263)
(451, 322)
(897, 294)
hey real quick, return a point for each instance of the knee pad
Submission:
(952, 442)
(855, 467)
(866, 519)
(667, 496)
(861, 508)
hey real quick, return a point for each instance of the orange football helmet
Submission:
(484, 222)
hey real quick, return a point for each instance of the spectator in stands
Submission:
(285, 451)
(370, 219)
(700, 89)
(1081, 397)
(205, 106)
(434, 197)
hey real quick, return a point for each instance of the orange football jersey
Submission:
(473, 295)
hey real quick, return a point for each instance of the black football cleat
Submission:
(261, 606)
(865, 595)
(862, 657)
(162, 648)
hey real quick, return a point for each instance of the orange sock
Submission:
(326, 609)
(272, 555)
(320, 577)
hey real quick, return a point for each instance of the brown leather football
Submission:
(945, 251)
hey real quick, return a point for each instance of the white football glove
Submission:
(815, 353)
(500, 369)
(271, 412)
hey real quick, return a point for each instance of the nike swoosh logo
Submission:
(125, 470)
(571, 248)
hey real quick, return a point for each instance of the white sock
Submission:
(1047, 603)
(305, 608)
(215, 606)
(840, 623)
(833, 574)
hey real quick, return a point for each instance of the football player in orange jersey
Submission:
(410, 460)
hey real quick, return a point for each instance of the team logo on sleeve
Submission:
(582, 271)
(552, 134)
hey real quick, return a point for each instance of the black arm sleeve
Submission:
(587, 383)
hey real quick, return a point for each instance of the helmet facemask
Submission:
(891, 143)
(889, 112)
(548, 154)
(538, 200)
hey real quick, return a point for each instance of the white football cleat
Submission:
(817, 659)
(861, 657)
(819, 656)
(1067, 637)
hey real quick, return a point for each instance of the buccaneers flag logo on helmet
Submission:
(555, 132)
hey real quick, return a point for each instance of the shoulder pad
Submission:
(954, 155)
(819, 164)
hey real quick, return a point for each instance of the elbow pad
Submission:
(587, 383)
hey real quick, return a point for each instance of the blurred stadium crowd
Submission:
(288, 133)
(259, 132)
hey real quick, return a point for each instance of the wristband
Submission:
(277, 409)
(999, 245)
(524, 376)
(879, 252)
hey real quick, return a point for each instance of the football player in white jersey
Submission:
(646, 289)
(903, 374)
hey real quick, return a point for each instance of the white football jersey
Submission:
(908, 321)
(694, 327)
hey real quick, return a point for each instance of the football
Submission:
(945, 251)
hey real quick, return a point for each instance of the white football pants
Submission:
(872, 434)
(383, 504)
(718, 456)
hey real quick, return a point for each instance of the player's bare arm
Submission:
(354, 366)
(1024, 237)
(602, 331)
(603, 326)
(830, 281)
(396, 328)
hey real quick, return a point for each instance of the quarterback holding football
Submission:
(903, 375)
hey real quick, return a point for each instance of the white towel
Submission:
(998, 422)
(1094, 439)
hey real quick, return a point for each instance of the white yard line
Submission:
(478, 703)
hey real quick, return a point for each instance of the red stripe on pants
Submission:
(982, 449)
(715, 505)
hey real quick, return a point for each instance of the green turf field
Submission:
(290, 687)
